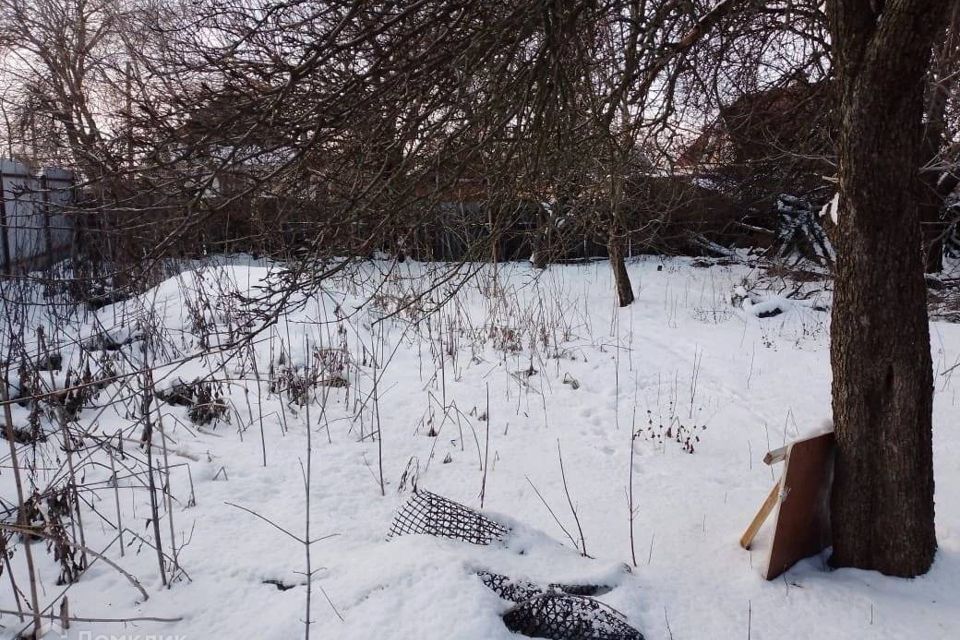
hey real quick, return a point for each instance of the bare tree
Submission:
(63, 55)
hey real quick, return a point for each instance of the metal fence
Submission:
(35, 228)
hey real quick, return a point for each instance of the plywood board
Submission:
(802, 525)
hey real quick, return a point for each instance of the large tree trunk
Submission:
(882, 503)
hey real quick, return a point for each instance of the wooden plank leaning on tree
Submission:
(802, 501)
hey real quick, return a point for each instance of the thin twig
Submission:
(555, 518)
(566, 490)
(56, 616)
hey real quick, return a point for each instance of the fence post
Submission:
(4, 239)
(76, 220)
(47, 237)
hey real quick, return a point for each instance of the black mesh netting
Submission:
(508, 588)
(557, 612)
(434, 515)
(520, 590)
(560, 616)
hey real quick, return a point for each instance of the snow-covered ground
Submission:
(697, 368)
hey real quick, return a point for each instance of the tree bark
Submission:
(620, 276)
(541, 239)
(882, 501)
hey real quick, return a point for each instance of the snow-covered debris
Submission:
(769, 305)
